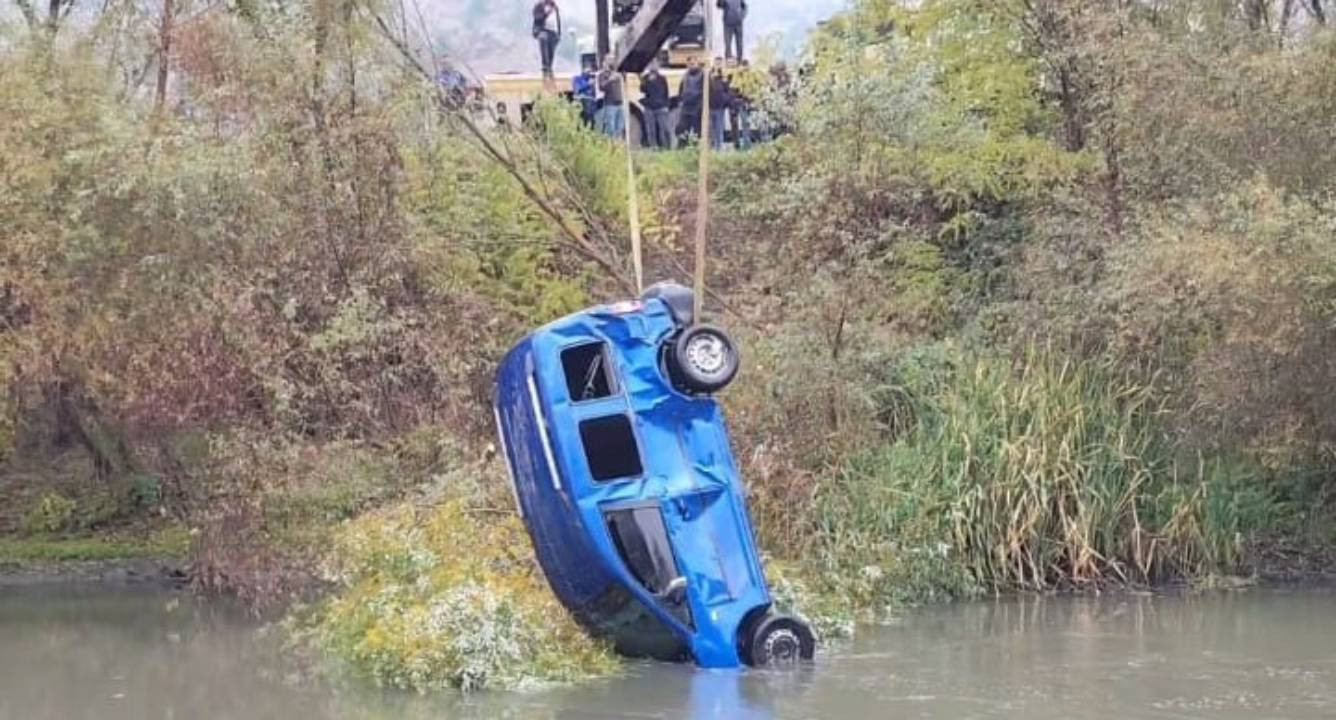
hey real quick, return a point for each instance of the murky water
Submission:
(134, 653)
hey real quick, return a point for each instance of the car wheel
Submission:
(705, 360)
(780, 641)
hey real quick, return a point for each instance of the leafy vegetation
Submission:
(1049, 473)
(170, 543)
(449, 598)
(1067, 318)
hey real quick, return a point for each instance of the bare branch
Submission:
(1315, 9)
(29, 15)
(576, 240)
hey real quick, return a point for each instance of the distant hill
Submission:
(493, 35)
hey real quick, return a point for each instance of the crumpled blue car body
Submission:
(617, 535)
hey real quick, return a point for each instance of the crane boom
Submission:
(648, 26)
(652, 25)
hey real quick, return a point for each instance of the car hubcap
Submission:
(783, 646)
(708, 354)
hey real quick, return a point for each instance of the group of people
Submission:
(547, 30)
(732, 87)
(588, 86)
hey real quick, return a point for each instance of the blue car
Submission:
(625, 479)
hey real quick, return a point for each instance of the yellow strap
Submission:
(632, 197)
(703, 189)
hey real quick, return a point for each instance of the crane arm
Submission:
(653, 24)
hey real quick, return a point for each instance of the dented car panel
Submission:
(628, 486)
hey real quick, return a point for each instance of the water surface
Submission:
(113, 653)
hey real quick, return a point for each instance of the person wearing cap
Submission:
(614, 95)
(654, 101)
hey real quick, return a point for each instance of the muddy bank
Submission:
(138, 571)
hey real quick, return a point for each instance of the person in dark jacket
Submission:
(720, 100)
(654, 101)
(614, 96)
(547, 31)
(735, 12)
(692, 98)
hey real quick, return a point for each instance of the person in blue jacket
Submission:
(584, 87)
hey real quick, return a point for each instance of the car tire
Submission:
(779, 641)
(704, 359)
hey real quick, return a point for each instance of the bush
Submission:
(447, 598)
(1033, 475)
(1235, 301)
(275, 503)
(53, 513)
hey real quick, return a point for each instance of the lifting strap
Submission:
(703, 188)
(632, 197)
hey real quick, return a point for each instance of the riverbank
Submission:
(93, 561)
(160, 572)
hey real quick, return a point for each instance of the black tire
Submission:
(779, 641)
(704, 359)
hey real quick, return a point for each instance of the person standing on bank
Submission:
(720, 100)
(614, 95)
(692, 98)
(584, 88)
(735, 12)
(547, 31)
(654, 88)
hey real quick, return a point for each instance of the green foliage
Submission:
(447, 598)
(167, 543)
(477, 231)
(1234, 300)
(52, 513)
(832, 616)
(932, 102)
(273, 306)
(1046, 473)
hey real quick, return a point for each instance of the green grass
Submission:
(167, 543)
(1030, 474)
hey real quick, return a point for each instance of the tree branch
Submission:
(29, 15)
(1317, 11)
(577, 241)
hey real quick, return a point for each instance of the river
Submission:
(134, 653)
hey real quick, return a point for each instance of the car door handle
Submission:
(674, 591)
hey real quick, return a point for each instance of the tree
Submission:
(56, 13)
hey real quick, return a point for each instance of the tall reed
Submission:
(1029, 474)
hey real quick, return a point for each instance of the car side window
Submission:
(588, 372)
(610, 448)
